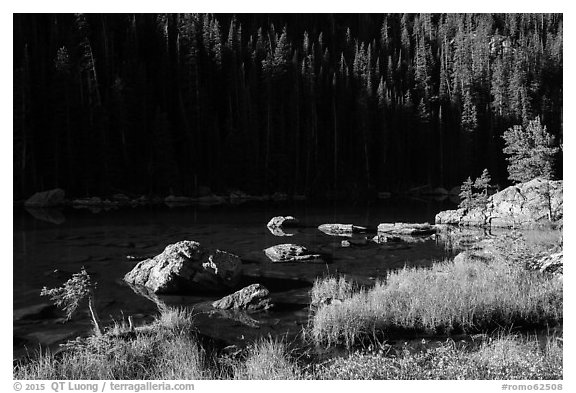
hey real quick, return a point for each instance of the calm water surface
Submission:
(49, 246)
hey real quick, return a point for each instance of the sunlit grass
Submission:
(267, 359)
(330, 288)
(469, 295)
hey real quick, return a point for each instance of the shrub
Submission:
(70, 295)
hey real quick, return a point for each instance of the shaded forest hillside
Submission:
(306, 104)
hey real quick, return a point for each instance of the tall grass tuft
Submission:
(330, 288)
(267, 359)
(176, 318)
(468, 296)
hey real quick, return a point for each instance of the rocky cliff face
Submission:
(531, 204)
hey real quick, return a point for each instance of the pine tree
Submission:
(531, 152)
(482, 184)
(469, 119)
(466, 195)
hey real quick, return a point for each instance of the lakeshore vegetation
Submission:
(483, 299)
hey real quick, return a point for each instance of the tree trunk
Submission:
(94, 315)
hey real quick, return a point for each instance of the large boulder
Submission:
(340, 229)
(55, 197)
(186, 267)
(253, 297)
(529, 204)
(291, 253)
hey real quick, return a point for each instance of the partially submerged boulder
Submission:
(406, 229)
(340, 229)
(282, 221)
(186, 267)
(291, 253)
(531, 204)
(55, 197)
(253, 297)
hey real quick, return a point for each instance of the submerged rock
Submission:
(406, 229)
(340, 229)
(55, 197)
(531, 204)
(186, 267)
(253, 297)
(291, 253)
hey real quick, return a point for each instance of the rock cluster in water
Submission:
(531, 204)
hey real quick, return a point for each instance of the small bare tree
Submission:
(70, 295)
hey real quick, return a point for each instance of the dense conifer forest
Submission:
(315, 104)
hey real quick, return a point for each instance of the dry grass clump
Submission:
(267, 359)
(469, 295)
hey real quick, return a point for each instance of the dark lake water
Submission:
(50, 246)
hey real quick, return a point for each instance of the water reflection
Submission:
(51, 215)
